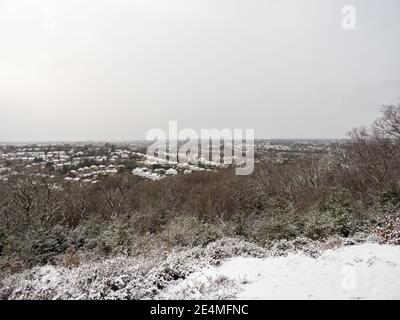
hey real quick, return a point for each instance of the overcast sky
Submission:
(78, 70)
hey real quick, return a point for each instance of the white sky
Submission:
(84, 69)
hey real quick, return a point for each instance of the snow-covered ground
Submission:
(363, 271)
(225, 269)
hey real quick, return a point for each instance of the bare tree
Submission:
(388, 124)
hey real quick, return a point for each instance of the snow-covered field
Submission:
(225, 269)
(364, 271)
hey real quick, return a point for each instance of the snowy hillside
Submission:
(225, 269)
(364, 271)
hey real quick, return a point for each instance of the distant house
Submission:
(171, 172)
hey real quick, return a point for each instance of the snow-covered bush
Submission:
(389, 231)
(142, 277)
(205, 288)
(300, 244)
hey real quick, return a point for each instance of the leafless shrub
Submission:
(389, 230)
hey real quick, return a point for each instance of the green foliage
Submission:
(389, 197)
(117, 237)
(318, 225)
(277, 223)
(338, 206)
(130, 164)
(44, 244)
(190, 231)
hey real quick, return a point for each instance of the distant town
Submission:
(86, 162)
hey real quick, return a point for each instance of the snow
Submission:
(171, 172)
(364, 271)
(225, 269)
(140, 277)
(146, 173)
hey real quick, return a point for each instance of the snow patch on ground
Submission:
(363, 271)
